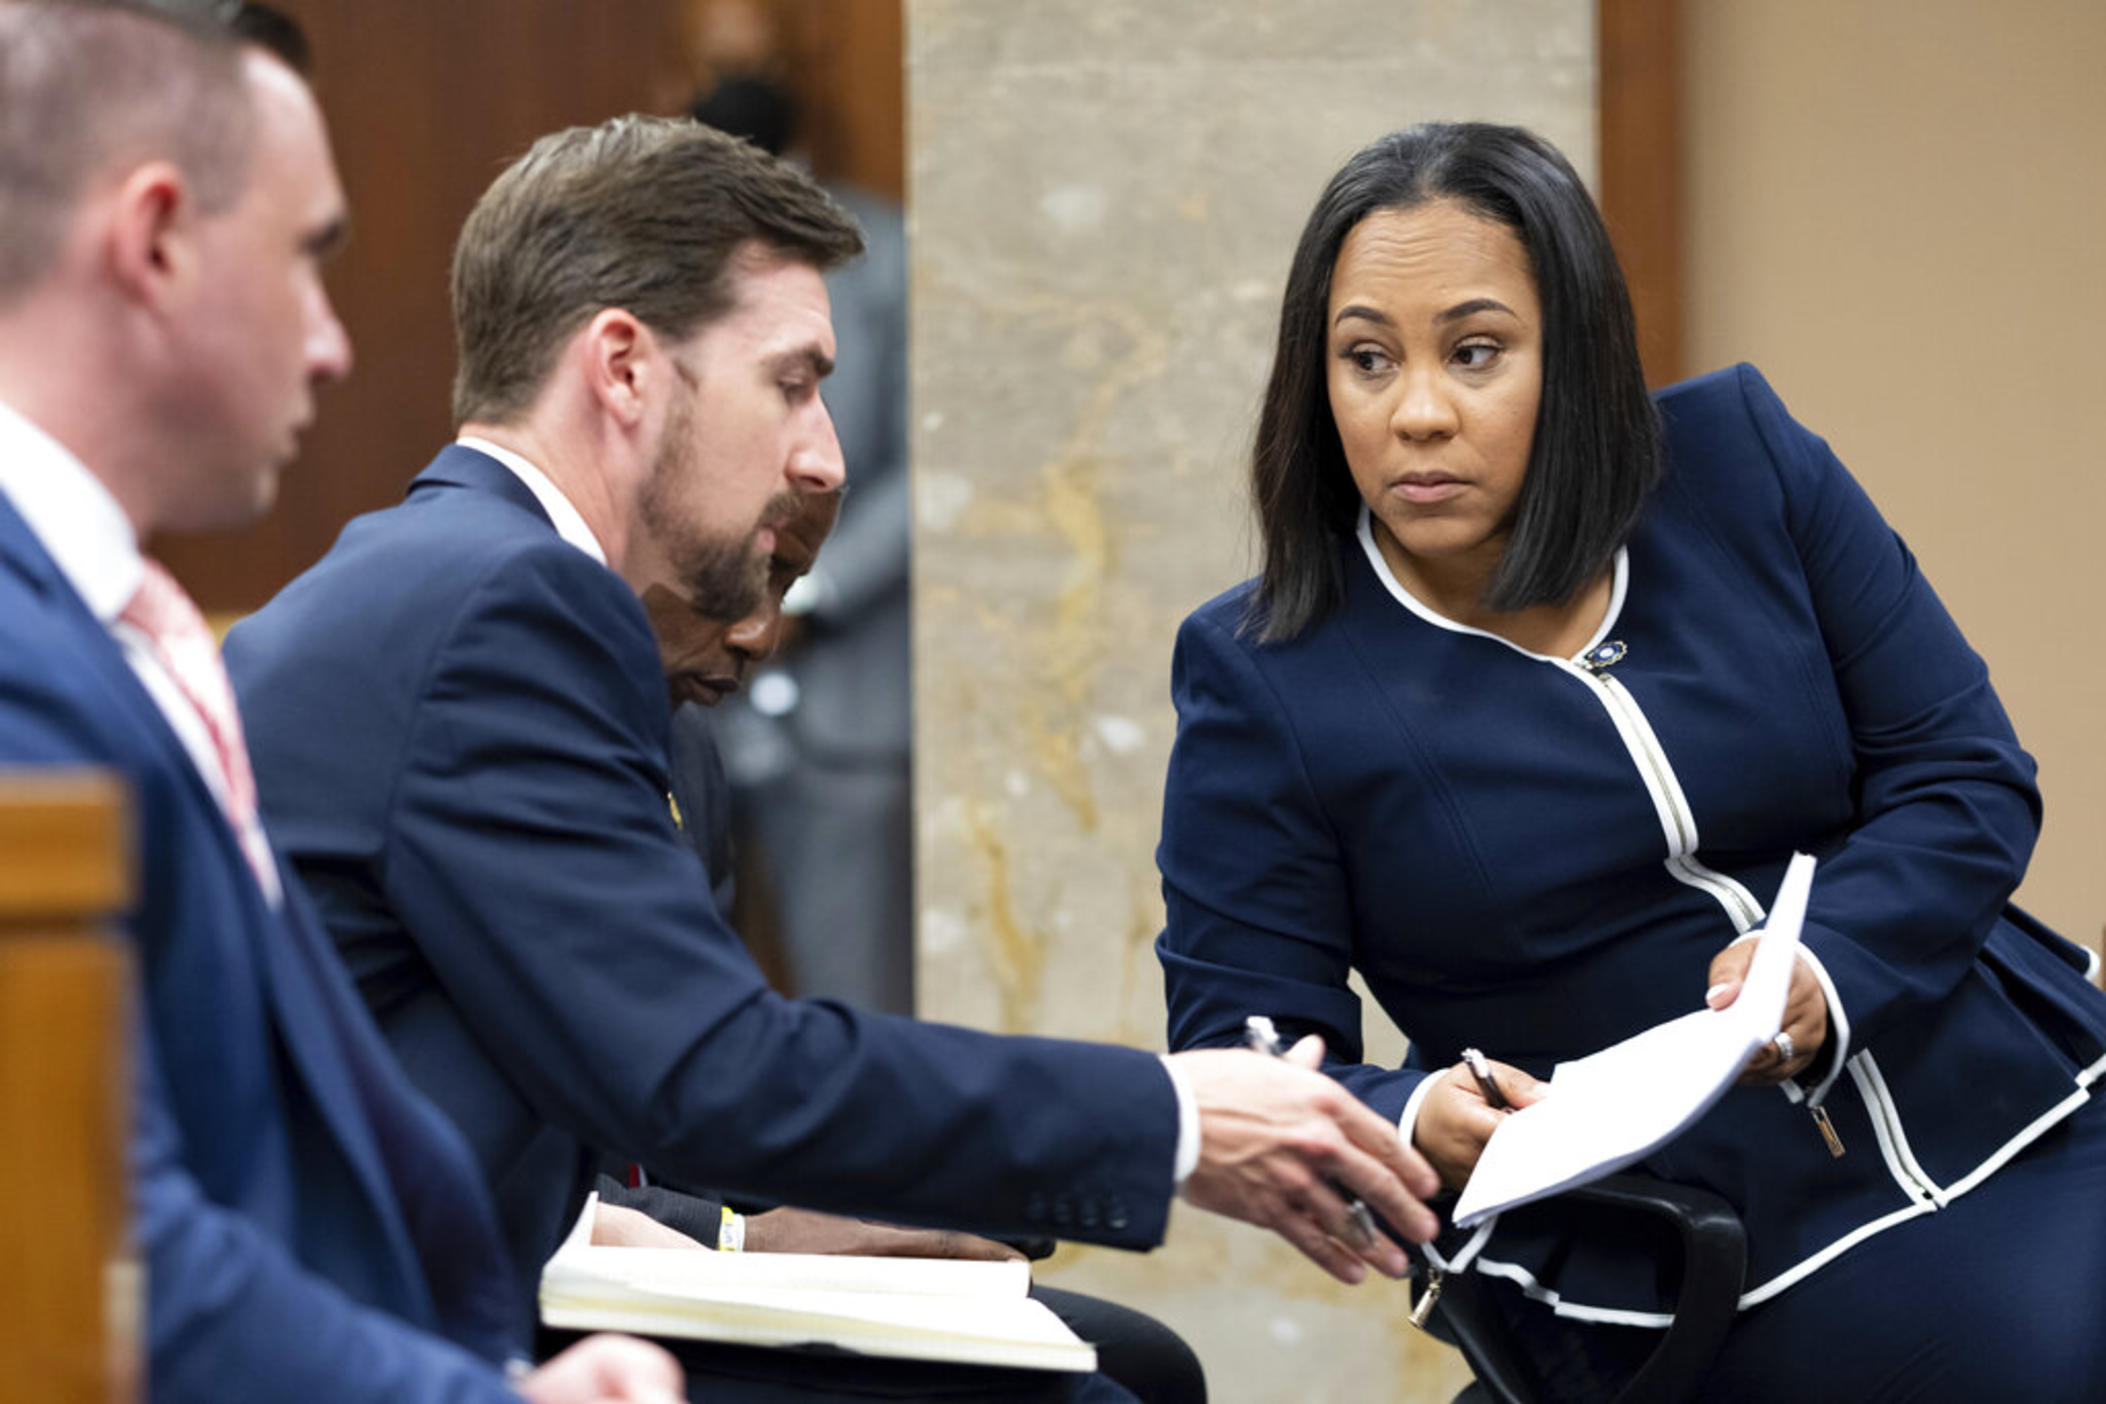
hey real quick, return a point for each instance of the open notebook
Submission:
(970, 1313)
(1612, 1108)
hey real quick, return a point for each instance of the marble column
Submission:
(1104, 195)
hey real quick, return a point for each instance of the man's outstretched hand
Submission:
(1279, 1140)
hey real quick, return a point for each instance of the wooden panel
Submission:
(69, 1297)
(844, 60)
(849, 67)
(1641, 168)
(426, 103)
(63, 845)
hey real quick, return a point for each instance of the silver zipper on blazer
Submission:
(1886, 1127)
(1677, 820)
(1740, 904)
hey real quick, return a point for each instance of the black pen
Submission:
(1260, 1035)
(1482, 1071)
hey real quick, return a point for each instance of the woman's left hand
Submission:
(1805, 1013)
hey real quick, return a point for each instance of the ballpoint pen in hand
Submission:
(1482, 1071)
(1259, 1034)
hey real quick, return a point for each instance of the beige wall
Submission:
(1897, 210)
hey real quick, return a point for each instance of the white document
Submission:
(1617, 1106)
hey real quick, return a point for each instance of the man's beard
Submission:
(722, 577)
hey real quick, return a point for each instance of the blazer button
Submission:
(1089, 1212)
(1063, 1211)
(1115, 1214)
(1035, 1207)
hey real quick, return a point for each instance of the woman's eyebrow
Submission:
(1475, 305)
(1363, 312)
(1454, 314)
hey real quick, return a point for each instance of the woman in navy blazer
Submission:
(1541, 686)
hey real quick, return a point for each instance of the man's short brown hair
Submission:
(640, 213)
(89, 85)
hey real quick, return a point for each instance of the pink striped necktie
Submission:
(183, 645)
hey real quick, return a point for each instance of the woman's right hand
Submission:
(1455, 1120)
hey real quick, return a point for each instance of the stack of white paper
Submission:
(1617, 1106)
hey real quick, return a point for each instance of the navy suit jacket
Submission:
(295, 1202)
(459, 724)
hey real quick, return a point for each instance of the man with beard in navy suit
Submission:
(460, 722)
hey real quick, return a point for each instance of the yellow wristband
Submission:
(731, 1231)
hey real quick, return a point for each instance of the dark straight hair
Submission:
(1596, 452)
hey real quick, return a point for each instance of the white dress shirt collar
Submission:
(72, 514)
(569, 524)
(88, 536)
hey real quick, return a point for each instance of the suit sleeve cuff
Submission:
(1408, 1121)
(1837, 1050)
(1187, 1124)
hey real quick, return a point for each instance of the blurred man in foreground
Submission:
(311, 1229)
